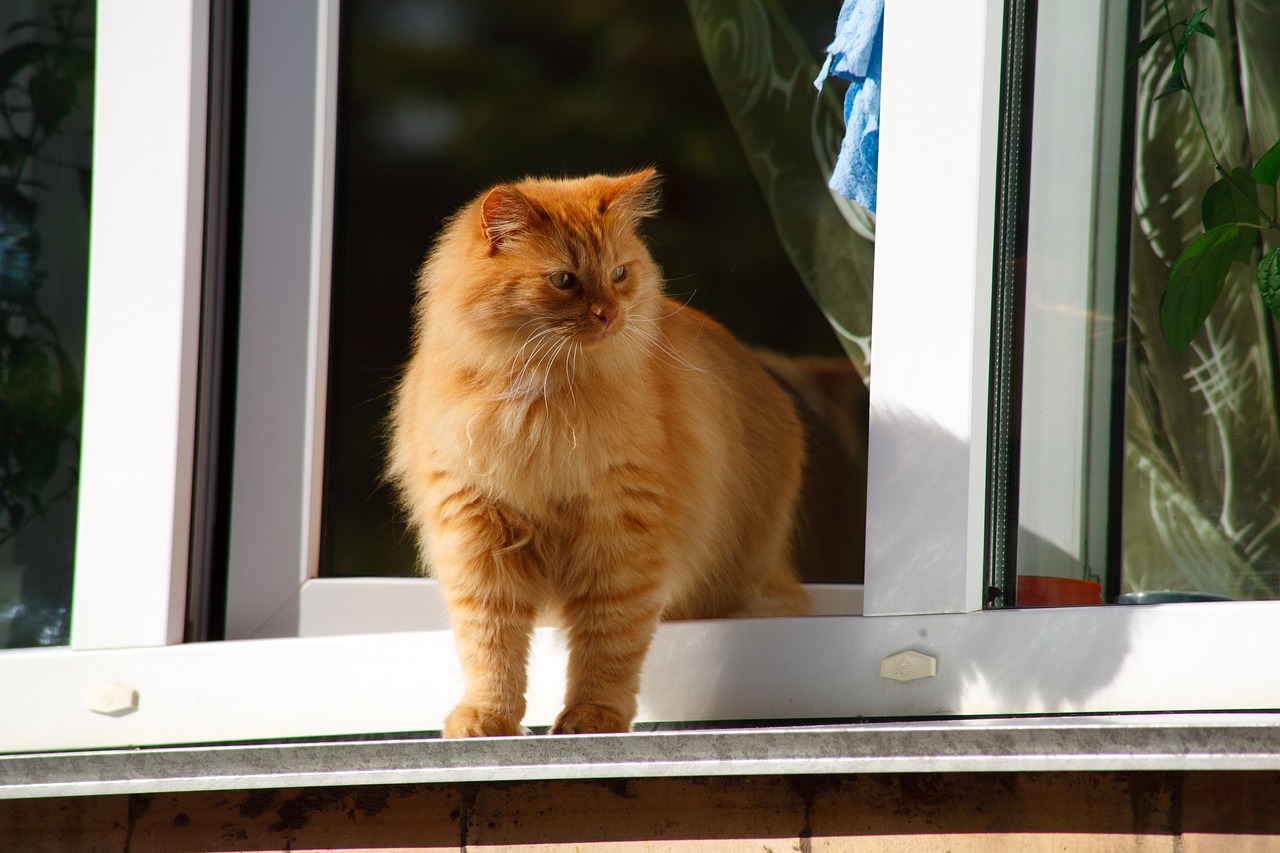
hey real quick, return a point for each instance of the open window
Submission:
(1009, 266)
(419, 127)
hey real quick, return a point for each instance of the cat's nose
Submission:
(604, 313)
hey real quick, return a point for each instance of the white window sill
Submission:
(371, 605)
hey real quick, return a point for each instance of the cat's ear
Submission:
(636, 196)
(504, 213)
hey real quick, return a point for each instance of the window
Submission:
(1147, 471)
(46, 105)
(929, 453)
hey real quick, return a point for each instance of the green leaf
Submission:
(1180, 49)
(1268, 169)
(1177, 83)
(1143, 47)
(1269, 280)
(1233, 200)
(1195, 282)
(52, 99)
(18, 59)
(31, 25)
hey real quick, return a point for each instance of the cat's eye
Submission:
(618, 273)
(561, 280)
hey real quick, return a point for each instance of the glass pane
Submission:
(1150, 462)
(1202, 437)
(46, 110)
(440, 100)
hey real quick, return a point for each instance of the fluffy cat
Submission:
(569, 441)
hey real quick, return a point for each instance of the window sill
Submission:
(1096, 743)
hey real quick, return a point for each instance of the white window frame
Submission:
(146, 234)
(927, 477)
(284, 308)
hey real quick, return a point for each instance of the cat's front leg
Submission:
(608, 630)
(490, 579)
(493, 645)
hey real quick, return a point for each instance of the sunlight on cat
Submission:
(568, 441)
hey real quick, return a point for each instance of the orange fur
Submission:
(596, 452)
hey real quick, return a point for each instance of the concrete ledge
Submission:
(1108, 743)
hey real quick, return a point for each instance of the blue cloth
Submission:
(855, 56)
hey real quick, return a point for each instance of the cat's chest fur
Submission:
(541, 451)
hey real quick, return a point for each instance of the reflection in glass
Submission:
(440, 99)
(46, 57)
(1202, 432)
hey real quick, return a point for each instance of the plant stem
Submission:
(1269, 220)
(1195, 108)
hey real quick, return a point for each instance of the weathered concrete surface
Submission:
(1188, 812)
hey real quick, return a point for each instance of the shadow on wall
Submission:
(917, 526)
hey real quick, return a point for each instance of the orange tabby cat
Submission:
(569, 441)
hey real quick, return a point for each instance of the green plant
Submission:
(1233, 213)
(43, 71)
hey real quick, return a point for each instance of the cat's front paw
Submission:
(471, 721)
(589, 719)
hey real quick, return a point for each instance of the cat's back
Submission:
(740, 460)
(717, 367)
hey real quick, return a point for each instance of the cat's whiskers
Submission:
(549, 361)
(538, 359)
(656, 339)
(509, 365)
(540, 342)
(680, 306)
(574, 349)
(546, 328)
(527, 323)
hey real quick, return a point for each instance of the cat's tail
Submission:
(782, 596)
(831, 398)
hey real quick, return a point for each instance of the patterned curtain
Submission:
(1202, 455)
